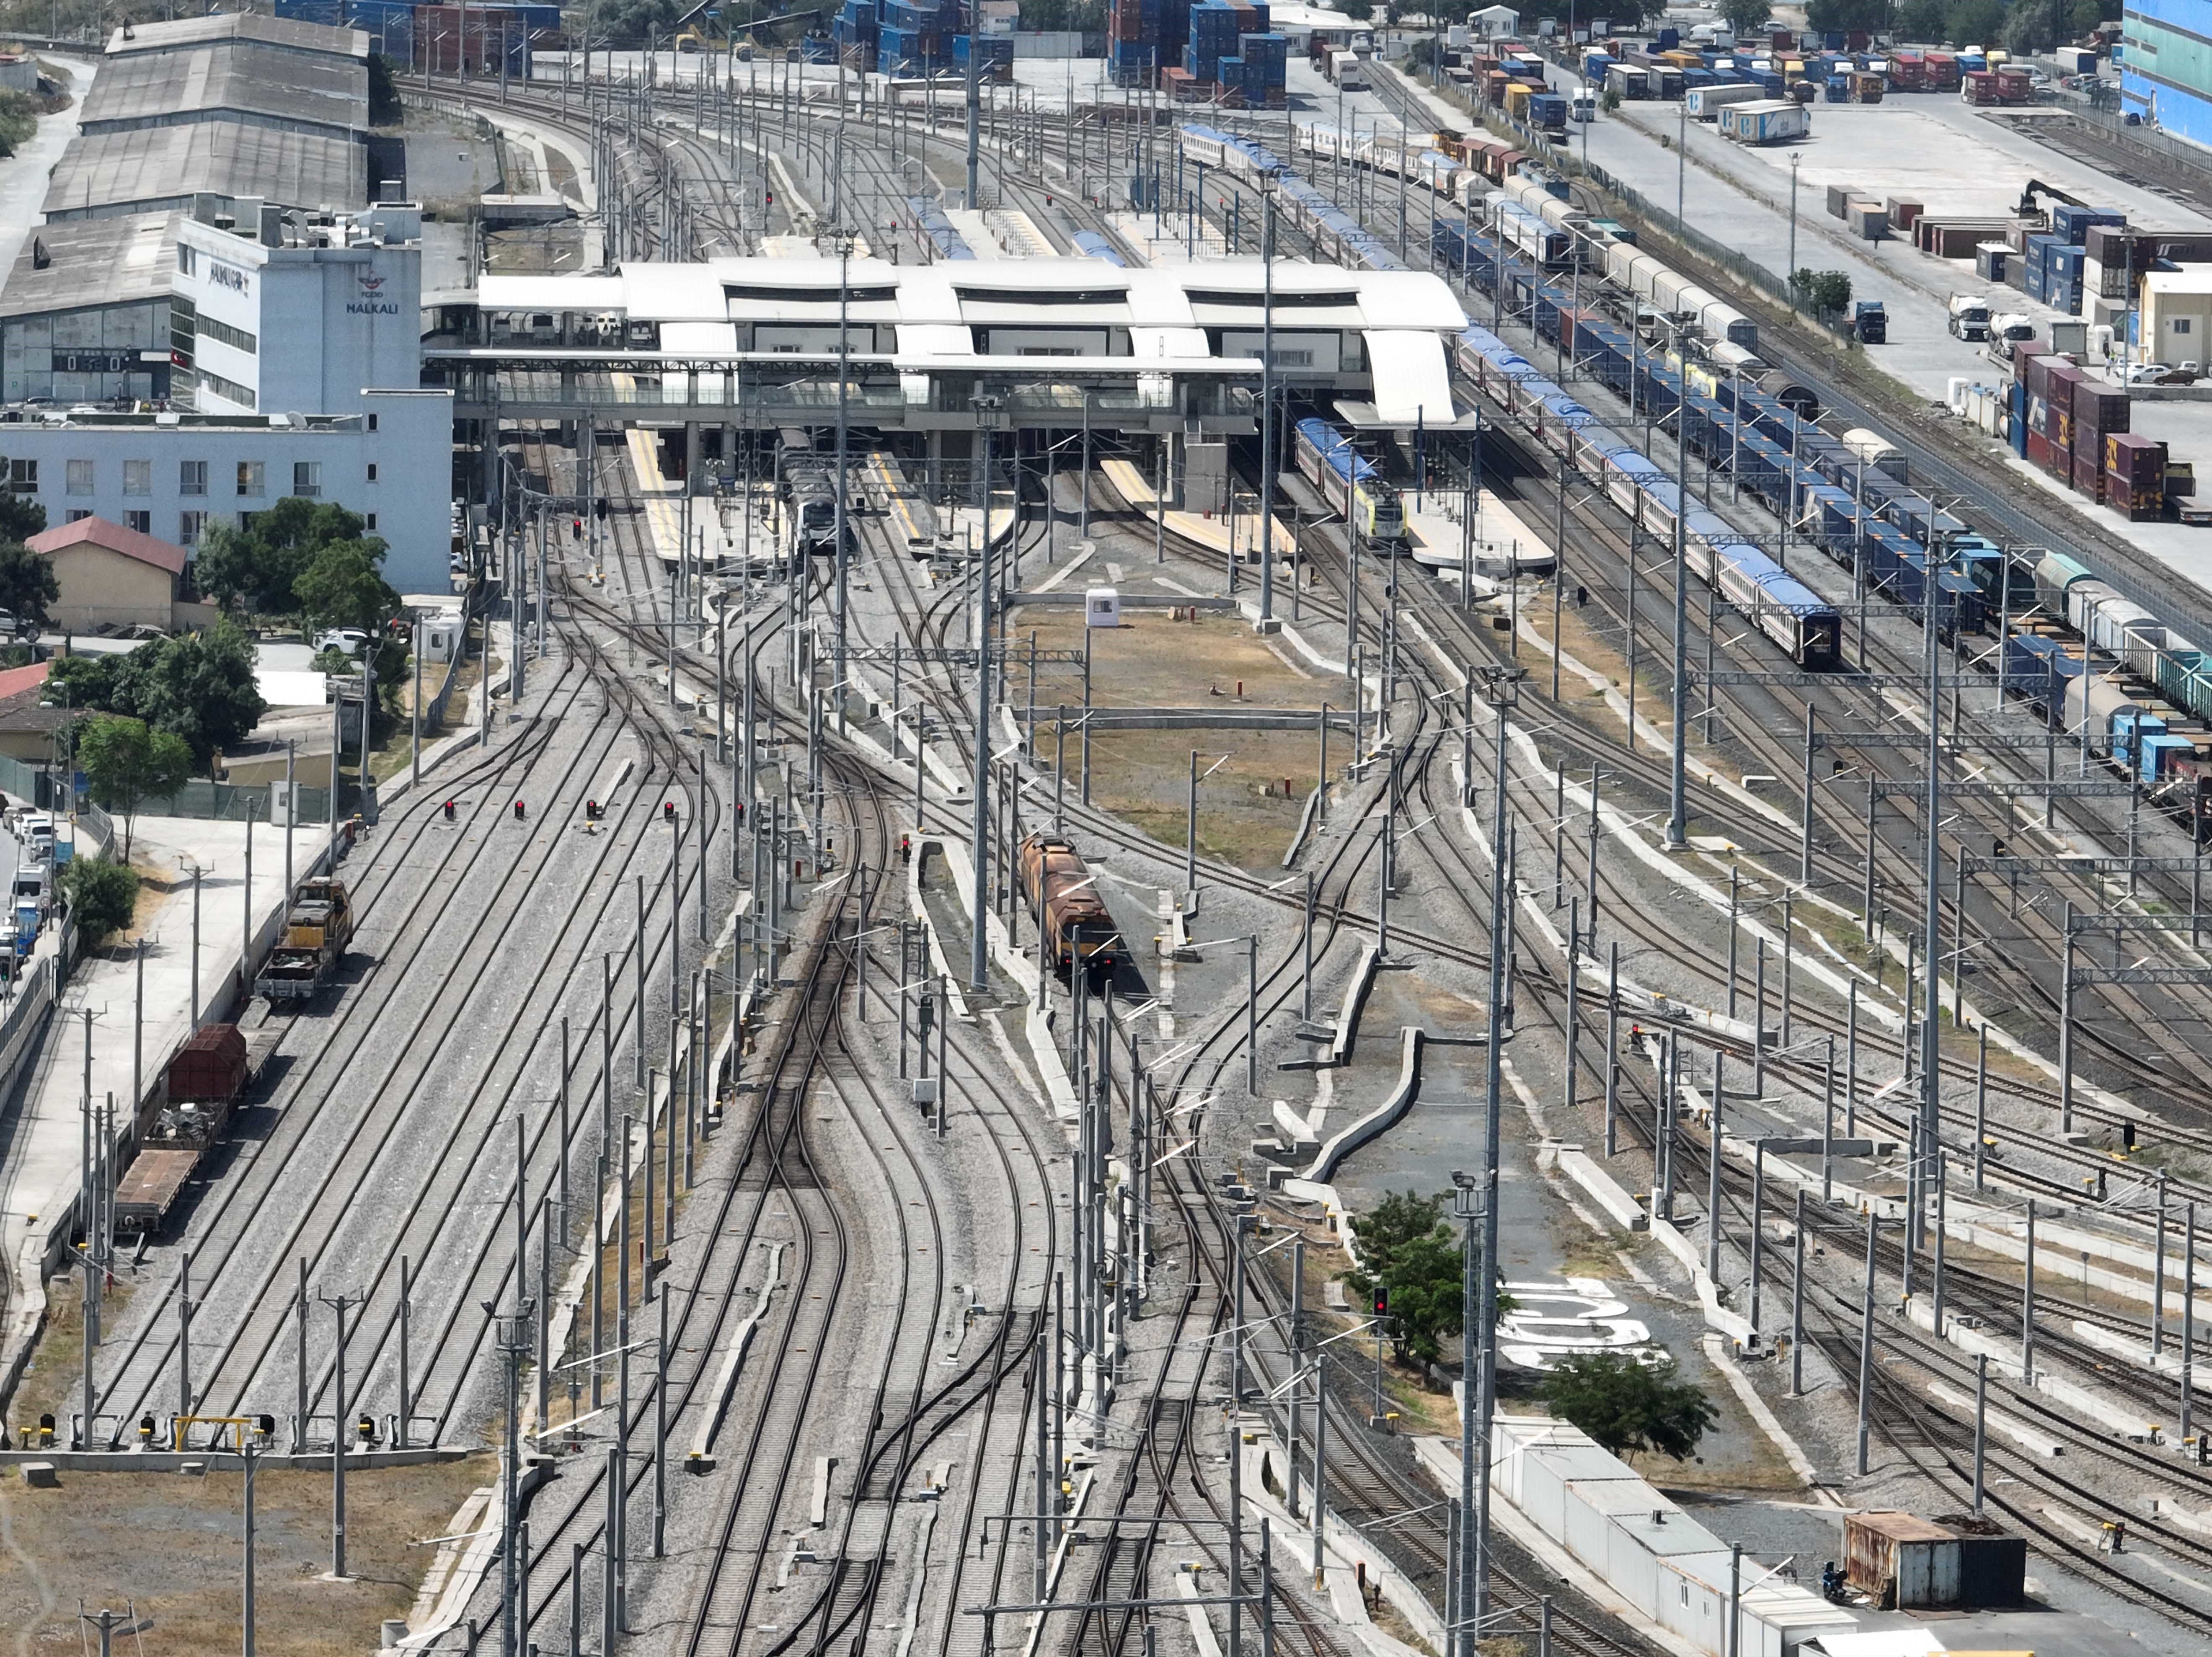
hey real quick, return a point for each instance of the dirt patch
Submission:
(49, 1383)
(1255, 782)
(94, 1540)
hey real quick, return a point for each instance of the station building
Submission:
(934, 353)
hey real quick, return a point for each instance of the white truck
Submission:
(1970, 316)
(2006, 332)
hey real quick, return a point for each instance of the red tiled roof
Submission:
(14, 681)
(146, 549)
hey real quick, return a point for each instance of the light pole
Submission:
(1466, 1207)
(1266, 413)
(989, 411)
(1677, 805)
(1503, 686)
(1789, 277)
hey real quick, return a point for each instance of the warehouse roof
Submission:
(84, 264)
(143, 169)
(245, 78)
(282, 32)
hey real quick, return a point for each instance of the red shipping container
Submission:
(2060, 430)
(2102, 409)
(2034, 369)
(211, 1067)
(1941, 74)
(1982, 87)
(2039, 450)
(2138, 458)
(2059, 383)
(2089, 477)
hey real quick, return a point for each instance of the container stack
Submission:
(854, 30)
(2100, 412)
(994, 54)
(439, 37)
(2134, 475)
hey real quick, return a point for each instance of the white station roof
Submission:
(1164, 306)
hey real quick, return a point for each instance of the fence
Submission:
(96, 826)
(234, 802)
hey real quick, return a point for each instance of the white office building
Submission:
(174, 475)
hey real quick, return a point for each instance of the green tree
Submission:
(384, 108)
(342, 588)
(1629, 1406)
(260, 566)
(199, 686)
(1745, 16)
(1976, 22)
(102, 895)
(19, 119)
(1923, 19)
(1409, 1251)
(1824, 15)
(21, 516)
(87, 681)
(127, 762)
(27, 582)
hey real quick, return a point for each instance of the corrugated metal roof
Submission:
(143, 167)
(92, 263)
(284, 32)
(243, 76)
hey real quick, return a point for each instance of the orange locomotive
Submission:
(1075, 920)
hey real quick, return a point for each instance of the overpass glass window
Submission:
(249, 480)
(137, 478)
(191, 525)
(77, 480)
(192, 477)
(307, 478)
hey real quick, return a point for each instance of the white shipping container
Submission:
(1705, 103)
(1769, 121)
(1692, 1598)
(2109, 627)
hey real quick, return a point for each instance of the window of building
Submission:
(137, 478)
(237, 339)
(141, 521)
(192, 477)
(78, 479)
(23, 477)
(191, 525)
(370, 520)
(188, 259)
(229, 389)
(372, 422)
(371, 471)
(307, 478)
(249, 480)
(2181, 324)
(76, 514)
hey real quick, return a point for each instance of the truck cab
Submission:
(1969, 316)
(1869, 323)
(1583, 107)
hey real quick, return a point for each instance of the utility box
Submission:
(1101, 607)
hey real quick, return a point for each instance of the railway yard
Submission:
(850, 1112)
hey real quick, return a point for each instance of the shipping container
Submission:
(1840, 196)
(2088, 475)
(1980, 87)
(1705, 103)
(1869, 220)
(1767, 122)
(1903, 214)
(1900, 1561)
(211, 1067)
(2140, 459)
(2102, 409)
(1942, 72)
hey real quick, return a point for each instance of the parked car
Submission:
(350, 640)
